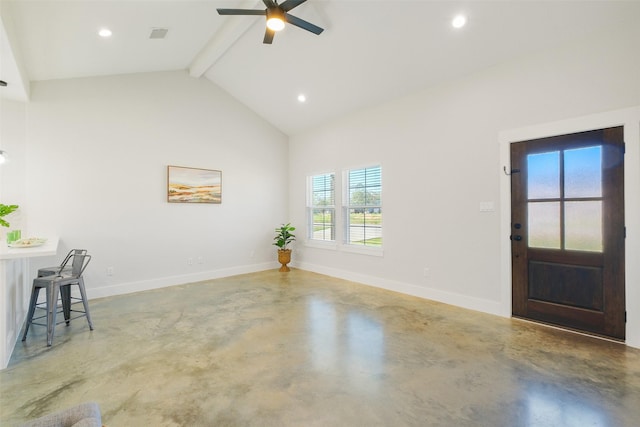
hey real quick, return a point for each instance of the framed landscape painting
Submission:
(193, 185)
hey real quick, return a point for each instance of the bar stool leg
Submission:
(32, 309)
(65, 296)
(52, 303)
(85, 303)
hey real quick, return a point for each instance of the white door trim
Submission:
(630, 119)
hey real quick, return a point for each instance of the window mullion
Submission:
(562, 202)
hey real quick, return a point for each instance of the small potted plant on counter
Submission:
(6, 210)
(284, 236)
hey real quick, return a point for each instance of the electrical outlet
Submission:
(190, 261)
(426, 272)
(109, 271)
(200, 260)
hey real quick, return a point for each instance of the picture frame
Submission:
(193, 185)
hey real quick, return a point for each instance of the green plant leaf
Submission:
(284, 236)
(6, 210)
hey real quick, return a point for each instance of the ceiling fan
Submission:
(277, 15)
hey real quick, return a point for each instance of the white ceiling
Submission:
(370, 51)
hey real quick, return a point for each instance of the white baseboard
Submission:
(471, 303)
(163, 282)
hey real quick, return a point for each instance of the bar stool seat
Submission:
(62, 268)
(60, 283)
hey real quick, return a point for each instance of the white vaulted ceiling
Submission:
(370, 51)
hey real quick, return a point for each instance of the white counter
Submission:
(15, 291)
(48, 249)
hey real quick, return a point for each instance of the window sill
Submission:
(321, 244)
(354, 249)
(364, 250)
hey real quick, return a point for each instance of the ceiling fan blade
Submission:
(241, 12)
(268, 36)
(290, 4)
(269, 3)
(294, 20)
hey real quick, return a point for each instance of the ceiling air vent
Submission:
(158, 33)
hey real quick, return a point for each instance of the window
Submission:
(321, 207)
(565, 199)
(363, 206)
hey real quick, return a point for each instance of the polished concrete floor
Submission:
(302, 349)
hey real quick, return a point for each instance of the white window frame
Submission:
(348, 206)
(322, 242)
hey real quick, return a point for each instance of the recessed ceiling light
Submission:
(105, 32)
(459, 21)
(302, 98)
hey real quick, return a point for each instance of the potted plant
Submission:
(6, 210)
(284, 236)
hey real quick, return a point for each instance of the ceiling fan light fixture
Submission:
(276, 15)
(275, 24)
(275, 20)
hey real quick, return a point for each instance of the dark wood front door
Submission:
(567, 231)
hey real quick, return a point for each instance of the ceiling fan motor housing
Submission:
(277, 15)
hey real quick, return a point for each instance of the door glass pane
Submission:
(583, 226)
(544, 225)
(543, 176)
(583, 172)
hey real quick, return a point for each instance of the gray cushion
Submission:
(83, 415)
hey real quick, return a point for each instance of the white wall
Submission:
(12, 173)
(97, 153)
(440, 154)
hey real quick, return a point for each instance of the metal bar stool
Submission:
(60, 283)
(63, 268)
